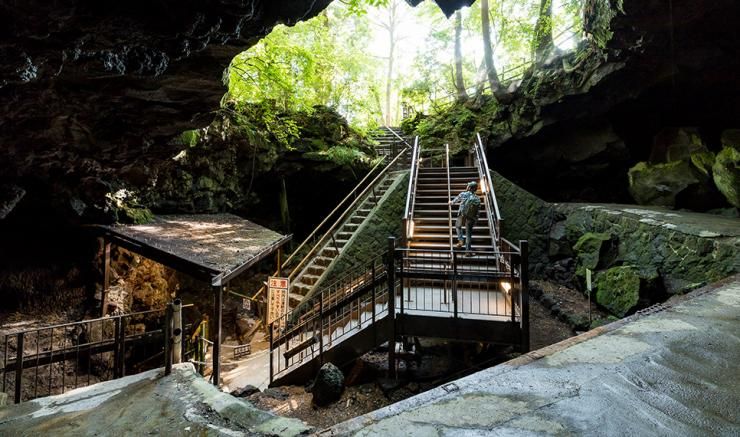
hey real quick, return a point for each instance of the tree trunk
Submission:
(459, 82)
(493, 79)
(543, 32)
(391, 27)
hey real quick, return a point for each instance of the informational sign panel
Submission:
(277, 298)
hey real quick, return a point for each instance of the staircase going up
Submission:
(424, 288)
(330, 238)
(390, 141)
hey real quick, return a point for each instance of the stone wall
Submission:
(525, 217)
(371, 239)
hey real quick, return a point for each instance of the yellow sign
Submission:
(277, 299)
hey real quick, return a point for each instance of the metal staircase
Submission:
(424, 288)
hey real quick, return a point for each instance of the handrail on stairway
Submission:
(408, 216)
(329, 233)
(491, 202)
(449, 196)
(329, 216)
(399, 136)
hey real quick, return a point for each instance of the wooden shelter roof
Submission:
(213, 247)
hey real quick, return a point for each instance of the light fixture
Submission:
(506, 286)
(411, 229)
(483, 187)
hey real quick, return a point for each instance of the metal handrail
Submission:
(449, 195)
(399, 136)
(491, 203)
(347, 210)
(411, 194)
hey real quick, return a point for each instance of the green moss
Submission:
(136, 215)
(726, 172)
(658, 184)
(618, 289)
(703, 161)
(588, 250)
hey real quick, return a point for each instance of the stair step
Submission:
(314, 269)
(322, 261)
(309, 279)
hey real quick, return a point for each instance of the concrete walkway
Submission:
(673, 372)
(181, 404)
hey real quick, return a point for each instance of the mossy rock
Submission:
(659, 184)
(726, 170)
(703, 161)
(588, 250)
(136, 215)
(618, 289)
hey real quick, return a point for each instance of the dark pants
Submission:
(468, 237)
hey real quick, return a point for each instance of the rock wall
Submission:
(639, 255)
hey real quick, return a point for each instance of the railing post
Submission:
(18, 367)
(168, 340)
(177, 331)
(524, 277)
(122, 345)
(117, 348)
(372, 269)
(514, 260)
(392, 306)
(272, 371)
(454, 283)
(321, 330)
(218, 301)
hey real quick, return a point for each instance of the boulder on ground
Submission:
(245, 391)
(328, 385)
(659, 184)
(618, 289)
(726, 172)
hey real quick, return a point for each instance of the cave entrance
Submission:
(215, 248)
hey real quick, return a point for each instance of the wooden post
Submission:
(280, 261)
(218, 303)
(177, 331)
(392, 306)
(106, 278)
(524, 292)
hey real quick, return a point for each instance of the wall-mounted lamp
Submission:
(506, 286)
(483, 187)
(411, 229)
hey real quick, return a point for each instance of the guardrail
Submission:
(337, 312)
(50, 360)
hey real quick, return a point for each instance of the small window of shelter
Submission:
(215, 248)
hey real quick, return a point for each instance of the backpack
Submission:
(470, 207)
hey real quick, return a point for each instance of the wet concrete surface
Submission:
(672, 372)
(182, 404)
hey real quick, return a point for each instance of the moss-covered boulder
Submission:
(589, 250)
(659, 184)
(726, 173)
(135, 215)
(618, 289)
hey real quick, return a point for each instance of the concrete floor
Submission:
(672, 372)
(181, 404)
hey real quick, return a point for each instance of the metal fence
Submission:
(51, 360)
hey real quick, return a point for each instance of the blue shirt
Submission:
(461, 198)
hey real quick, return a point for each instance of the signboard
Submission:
(588, 281)
(277, 298)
